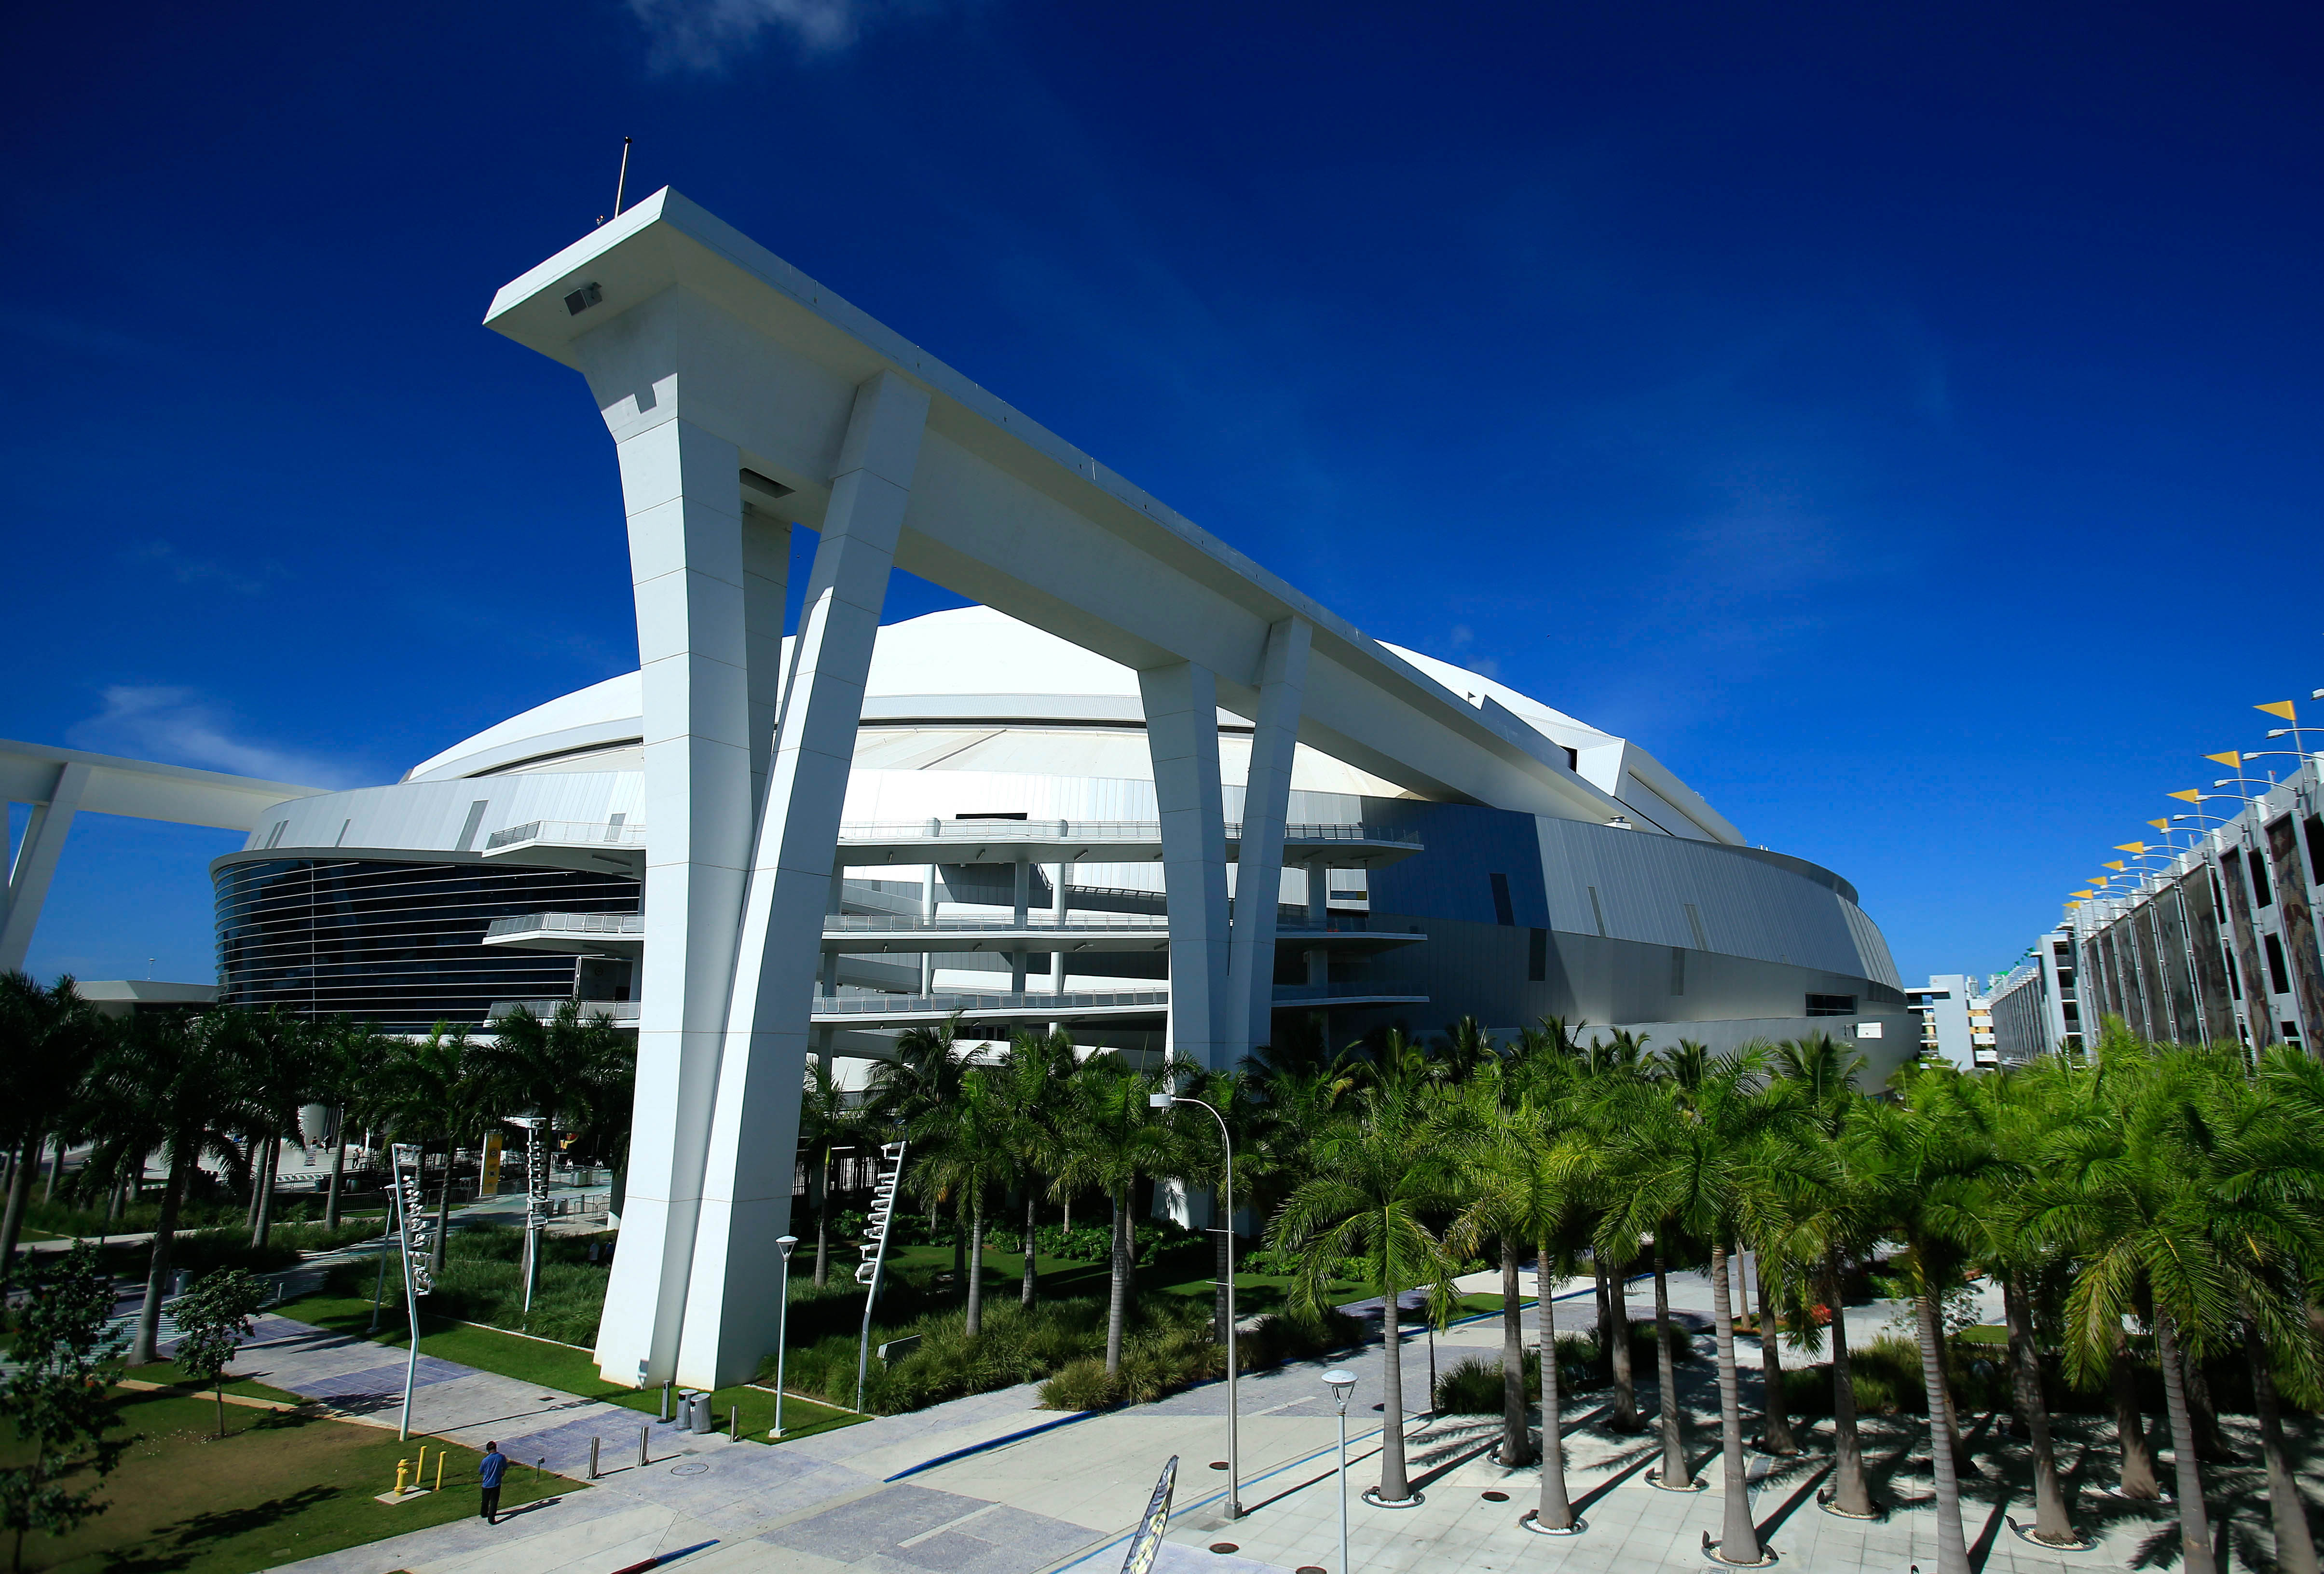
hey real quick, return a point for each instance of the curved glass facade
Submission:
(401, 944)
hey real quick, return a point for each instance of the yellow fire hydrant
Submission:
(400, 1467)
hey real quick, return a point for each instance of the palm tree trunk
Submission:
(144, 1344)
(271, 1159)
(1554, 1512)
(1614, 1334)
(2051, 1522)
(2210, 1446)
(1393, 1487)
(20, 1189)
(1952, 1550)
(976, 1324)
(1516, 1436)
(2295, 1546)
(1605, 1316)
(2194, 1519)
(1032, 1203)
(1738, 1537)
(2136, 1478)
(443, 1212)
(1677, 1474)
(1118, 1294)
(959, 1249)
(1849, 1494)
(1776, 1431)
(338, 1166)
(822, 1226)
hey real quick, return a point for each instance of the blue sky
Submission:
(1903, 420)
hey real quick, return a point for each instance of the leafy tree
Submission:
(66, 1353)
(1034, 1079)
(213, 1318)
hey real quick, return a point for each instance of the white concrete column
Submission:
(766, 579)
(35, 863)
(1182, 735)
(681, 488)
(1023, 910)
(730, 1306)
(1258, 870)
(928, 910)
(1057, 910)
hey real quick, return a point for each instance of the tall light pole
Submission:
(1343, 1382)
(1234, 1459)
(783, 1324)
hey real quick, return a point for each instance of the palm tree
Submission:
(279, 1063)
(427, 1091)
(346, 1051)
(1039, 1066)
(1679, 1150)
(1376, 1177)
(166, 1080)
(571, 1068)
(829, 1119)
(50, 1039)
(1928, 1155)
(1108, 1142)
(1827, 1213)
(964, 1153)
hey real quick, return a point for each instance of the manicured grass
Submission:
(801, 1417)
(530, 1360)
(275, 1489)
(169, 1372)
(1985, 1333)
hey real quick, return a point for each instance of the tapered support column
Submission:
(765, 580)
(731, 1306)
(1259, 872)
(35, 863)
(1182, 734)
(681, 488)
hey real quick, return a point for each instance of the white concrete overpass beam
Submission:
(731, 1308)
(1259, 875)
(1182, 735)
(35, 863)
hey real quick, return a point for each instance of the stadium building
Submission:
(1000, 859)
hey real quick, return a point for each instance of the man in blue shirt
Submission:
(491, 1468)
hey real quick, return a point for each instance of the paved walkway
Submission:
(885, 1497)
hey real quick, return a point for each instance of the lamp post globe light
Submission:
(1342, 1383)
(1163, 1101)
(782, 1323)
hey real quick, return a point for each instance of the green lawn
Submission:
(169, 1372)
(801, 1417)
(552, 1366)
(277, 1487)
(531, 1360)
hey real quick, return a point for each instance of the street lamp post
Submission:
(783, 1324)
(1343, 1382)
(1234, 1459)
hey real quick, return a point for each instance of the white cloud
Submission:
(704, 35)
(176, 726)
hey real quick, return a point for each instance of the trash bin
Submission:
(702, 1418)
(180, 1282)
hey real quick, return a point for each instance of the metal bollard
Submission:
(735, 1424)
(665, 1402)
(642, 1432)
(593, 1459)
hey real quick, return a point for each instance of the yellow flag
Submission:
(2115, 864)
(2159, 825)
(2192, 795)
(2073, 904)
(2279, 708)
(2232, 759)
(2081, 896)
(2130, 847)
